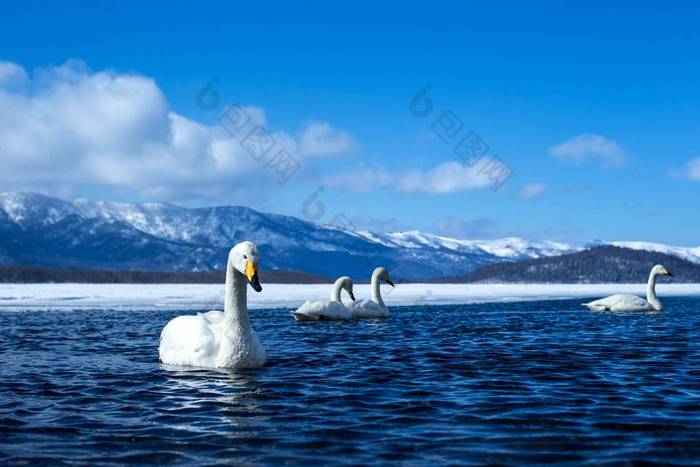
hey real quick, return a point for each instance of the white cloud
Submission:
(320, 139)
(691, 170)
(590, 147)
(67, 127)
(532, 191)
(448, 177)
(12, 74)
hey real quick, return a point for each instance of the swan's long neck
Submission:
(651, 292)
(376, 292)
(337, 288)
(236, 299)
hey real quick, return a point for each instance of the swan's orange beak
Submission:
(251, 272)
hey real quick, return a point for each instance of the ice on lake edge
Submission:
(210, 296)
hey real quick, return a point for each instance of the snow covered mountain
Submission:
(505, 248)
(691, 254)
(39, 230)
(604, 264)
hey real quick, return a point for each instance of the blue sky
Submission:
(595, 108)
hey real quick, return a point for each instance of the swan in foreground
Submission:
(219, 339)
(632, 302)
(332, 310)
(374, 308)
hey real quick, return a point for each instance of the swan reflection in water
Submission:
(196, 391)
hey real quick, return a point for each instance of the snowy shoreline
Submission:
(210, 296)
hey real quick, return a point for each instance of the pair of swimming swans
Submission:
(335, 309)
(632, 302)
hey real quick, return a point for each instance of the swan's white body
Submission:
(632, 302)
(368, 309)
(219, 339)
(332, 310)
(621, 302)
(374, 308)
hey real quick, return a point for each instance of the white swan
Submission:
(374, 308)
(219, 339)
(332, 310)
(632, 302)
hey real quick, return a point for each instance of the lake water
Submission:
(491, 383)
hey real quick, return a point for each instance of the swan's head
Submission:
(244, 259)
(346, 284)
(659, 270)
(383, 275)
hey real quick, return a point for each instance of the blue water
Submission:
(497, 383)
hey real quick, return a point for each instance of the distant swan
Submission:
(331, 310)
(632, 302)
(374, 308)
(219, 339)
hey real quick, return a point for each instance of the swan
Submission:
(632, 302)
(217, 339)
(374, 308)
(332, 310)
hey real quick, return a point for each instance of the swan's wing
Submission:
(631, 303)
(336, 311)
(366, 309)
(361, 305)
(619, 303)
(188, 340)
(213, 317)
(307, 312)
(320, 310)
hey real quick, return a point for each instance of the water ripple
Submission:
(478, 384)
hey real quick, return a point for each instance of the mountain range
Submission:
(43, 231)
(601, 264)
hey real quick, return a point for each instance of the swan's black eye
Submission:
(245, 256)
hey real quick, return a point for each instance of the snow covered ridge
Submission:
(506, 248)
(45, 231)
(691, 254)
